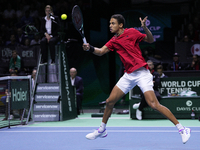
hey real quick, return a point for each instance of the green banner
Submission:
(175, 85)
(68, 98)
(20, 94)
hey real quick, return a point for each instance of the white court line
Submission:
(22, 126)
(115, 131)
(102, 117)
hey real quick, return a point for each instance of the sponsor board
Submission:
(47, 107)
(46, 116)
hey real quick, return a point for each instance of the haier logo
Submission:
(19, 95)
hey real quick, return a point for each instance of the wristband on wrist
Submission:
(91, 49)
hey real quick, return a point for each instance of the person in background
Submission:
(176, 64)
(36, 40)
(50, 26)
(126, 43)
(78, 83)
(33, 77)
(192, 33)
(12, 41)
(156, 82)
(160, 71)
(4, 98)
(20, 37)
(15, 62)
(195, 65)
(185, 39)
(27, 42)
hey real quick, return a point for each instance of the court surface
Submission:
(123, 134)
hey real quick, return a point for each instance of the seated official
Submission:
(78, 83)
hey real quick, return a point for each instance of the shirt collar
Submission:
(46, 18)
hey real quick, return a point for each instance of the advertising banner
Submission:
(29, 55)
(20, 94)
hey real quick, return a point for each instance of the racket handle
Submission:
(84, 40)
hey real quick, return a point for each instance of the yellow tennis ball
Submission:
(63, 16)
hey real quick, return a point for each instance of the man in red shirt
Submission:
(126, 43)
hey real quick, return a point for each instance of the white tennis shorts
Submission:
(141, 77)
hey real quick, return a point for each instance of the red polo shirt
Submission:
(127, 46)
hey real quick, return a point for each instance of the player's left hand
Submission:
(86, 47)
(143, 22)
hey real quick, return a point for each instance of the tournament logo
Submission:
(195, 49)
(189, 103)
(148, 22)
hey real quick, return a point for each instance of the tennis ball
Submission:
(63, 16)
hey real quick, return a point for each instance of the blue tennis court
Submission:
(119, 138)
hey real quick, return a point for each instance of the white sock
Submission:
(179, 126)
(102, 127)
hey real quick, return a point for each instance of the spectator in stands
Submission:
(2, 42)
(27, 19)
(195, 65)
(4, 32)
(8, 14)
(185, 39)
(156, 82)
(176, 64)
(149, 54)
(192, 33)
(160, 71)
(33, 77)
(12, 41)
(27, 42)
(4, 98)
(78, 83)
(15, 62)
(49, 29)
(196, 24)
(33, 11)
(36, 39)
(20, 37)
(19, 12)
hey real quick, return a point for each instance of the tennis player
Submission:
(126, 43)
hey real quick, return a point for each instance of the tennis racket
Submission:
(77, 19)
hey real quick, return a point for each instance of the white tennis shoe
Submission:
(185, 134)
(136, 106)
(139, 114)
(96, 134)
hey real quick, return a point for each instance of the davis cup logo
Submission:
(189, 103)
(148, 22)
(195, 49)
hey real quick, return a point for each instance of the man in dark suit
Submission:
(50, 26)
(78, 83)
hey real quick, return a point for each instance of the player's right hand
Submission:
(86, 47)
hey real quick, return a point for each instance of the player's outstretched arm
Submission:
(95, 50)
(149, 38)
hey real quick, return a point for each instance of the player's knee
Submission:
(109, 103)
(154, 105)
